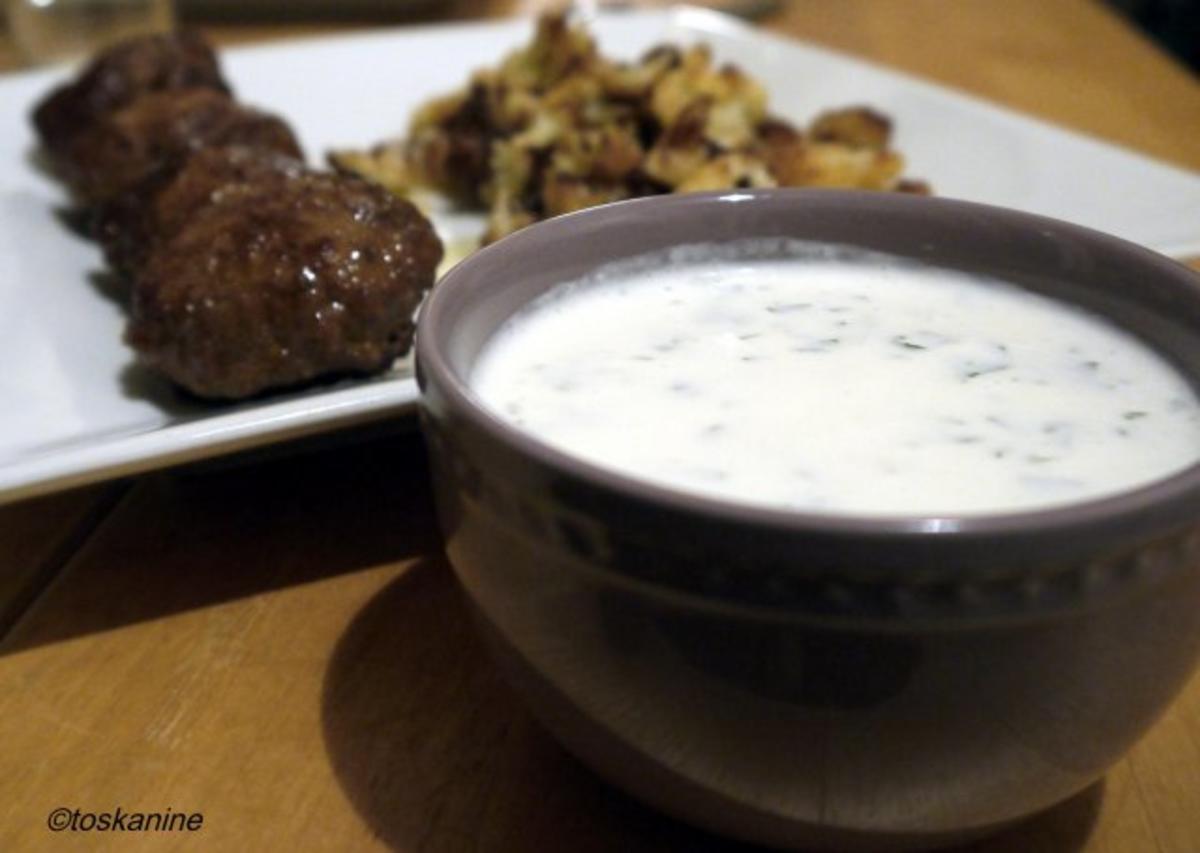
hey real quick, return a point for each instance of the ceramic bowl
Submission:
(810, 680)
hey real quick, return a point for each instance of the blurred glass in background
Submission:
(51, 30)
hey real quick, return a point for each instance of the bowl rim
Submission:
(1175, 492)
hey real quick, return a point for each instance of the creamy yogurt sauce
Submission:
(837, 382)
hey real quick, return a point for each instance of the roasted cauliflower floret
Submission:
(857, 127)
(735, 103)
(729, 171)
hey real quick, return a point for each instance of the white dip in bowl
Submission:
(838, 380)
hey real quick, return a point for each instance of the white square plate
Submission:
(74, 411)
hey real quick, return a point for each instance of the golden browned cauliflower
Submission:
(557, 127)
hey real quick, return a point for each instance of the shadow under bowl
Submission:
(818, 680)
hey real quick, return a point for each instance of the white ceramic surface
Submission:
(75, 410)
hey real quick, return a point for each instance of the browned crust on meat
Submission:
(272, 287)
(158, 131)
(122, 74)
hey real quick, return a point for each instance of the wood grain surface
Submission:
(279, 646)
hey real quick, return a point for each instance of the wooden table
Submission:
(279, 646)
